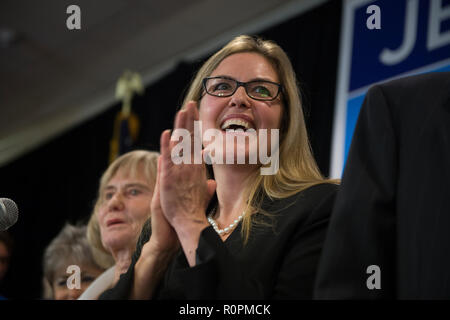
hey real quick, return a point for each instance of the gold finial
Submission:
(127, 85)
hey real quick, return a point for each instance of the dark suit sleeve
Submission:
(362, 227)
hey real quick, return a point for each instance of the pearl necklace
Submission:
(227, 229)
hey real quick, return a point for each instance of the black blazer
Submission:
(279, 260)
(393, 208)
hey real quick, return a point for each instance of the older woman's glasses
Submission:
(258, 89)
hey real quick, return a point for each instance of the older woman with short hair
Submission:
(68, 253)
(121, 209)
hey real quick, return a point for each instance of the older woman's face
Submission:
(124, 209)
(216, 112)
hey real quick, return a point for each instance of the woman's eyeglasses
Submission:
(258, 89)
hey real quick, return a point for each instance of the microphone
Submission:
(8, 213)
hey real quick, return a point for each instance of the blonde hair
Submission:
(298, 169)
(134, 163)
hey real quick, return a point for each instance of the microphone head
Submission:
(8, 213)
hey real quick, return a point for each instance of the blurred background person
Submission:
(68, 248)
(122, 207)
(6, 247)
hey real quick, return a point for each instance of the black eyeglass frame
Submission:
(242, 84)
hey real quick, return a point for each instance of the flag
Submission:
(126, 130)
(126, 123)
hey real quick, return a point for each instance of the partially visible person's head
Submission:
(6, 247)
(68, 248)
(123, 204)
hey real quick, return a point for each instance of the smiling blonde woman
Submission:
(235, 234)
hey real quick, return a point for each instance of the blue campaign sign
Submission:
(382, 40)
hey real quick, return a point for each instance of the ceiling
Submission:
(52, 78)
